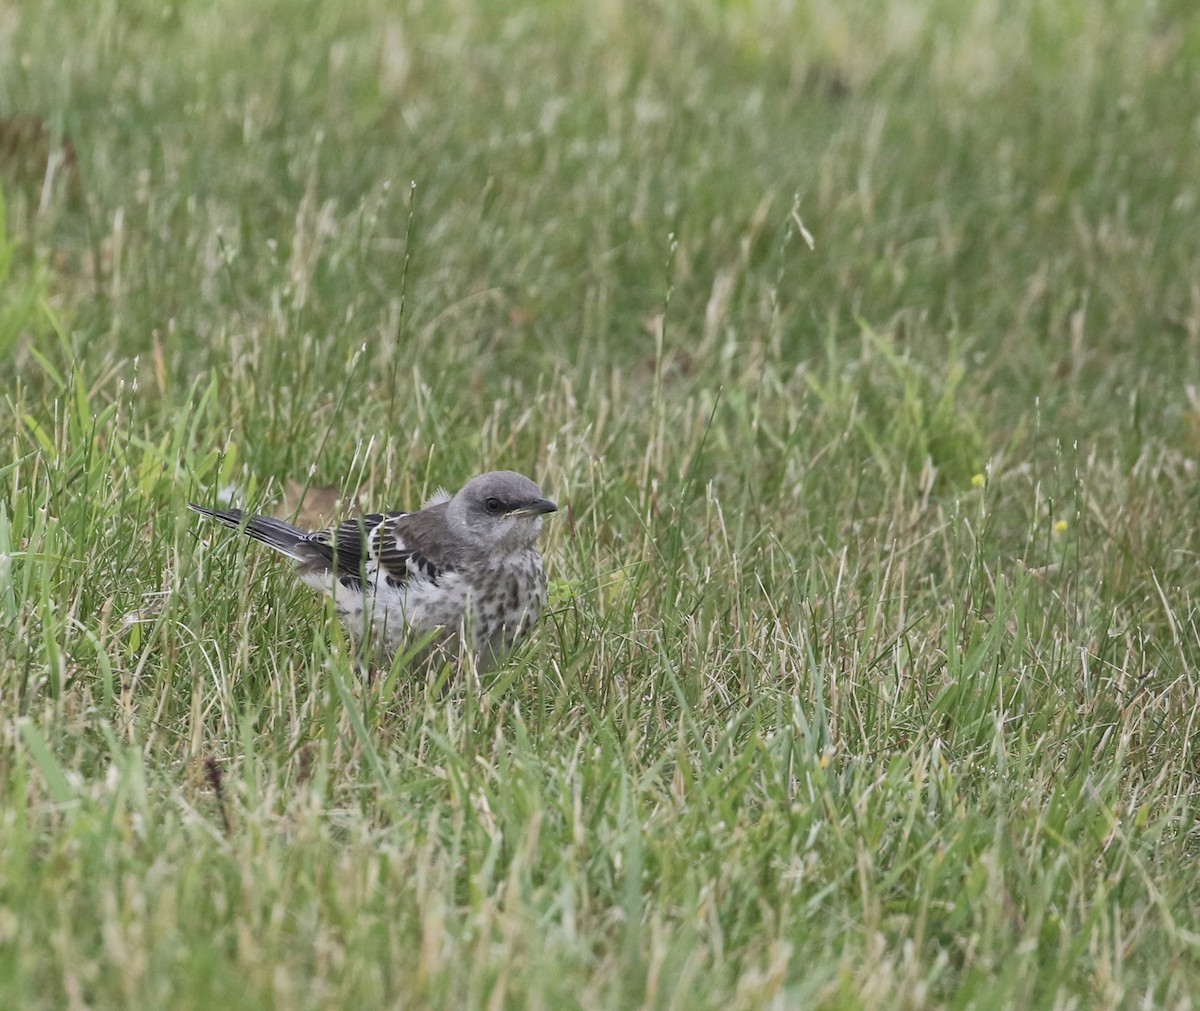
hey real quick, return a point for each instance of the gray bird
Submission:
(462, 569)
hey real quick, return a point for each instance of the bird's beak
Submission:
(535, 508)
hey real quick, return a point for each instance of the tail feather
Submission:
(283, 537)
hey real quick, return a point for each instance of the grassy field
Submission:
(860, 343)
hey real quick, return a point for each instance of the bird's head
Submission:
(501, 511)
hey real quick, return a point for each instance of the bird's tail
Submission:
(283, 537)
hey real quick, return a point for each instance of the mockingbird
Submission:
(463, 569)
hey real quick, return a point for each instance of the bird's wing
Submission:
(396, 546)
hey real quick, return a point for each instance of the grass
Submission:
(871, 673)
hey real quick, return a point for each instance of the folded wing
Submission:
(395, 546)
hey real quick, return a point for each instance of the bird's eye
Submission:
(493, 505)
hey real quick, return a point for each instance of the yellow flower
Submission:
(978, 480)
(1061, 527)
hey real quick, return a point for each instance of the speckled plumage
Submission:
(463, 569)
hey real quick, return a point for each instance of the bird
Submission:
(463, 574)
